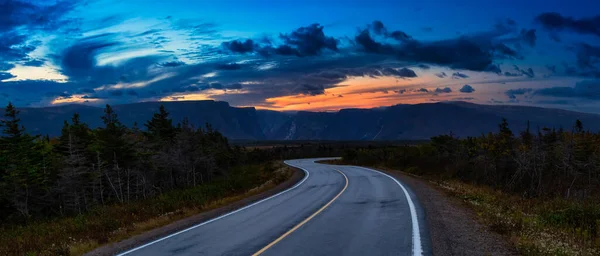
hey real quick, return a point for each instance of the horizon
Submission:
(108, 52)
(295, 111)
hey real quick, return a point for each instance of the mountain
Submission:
(400, 122)
(236, 123)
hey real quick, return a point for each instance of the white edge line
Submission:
(416, 234)
(225, 215)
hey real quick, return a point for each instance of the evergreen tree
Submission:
(578, 126)
(24, 179)
(114, 152)
(76, 178)
(526, 136)
(160, 127)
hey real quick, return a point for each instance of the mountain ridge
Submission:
(398, 122)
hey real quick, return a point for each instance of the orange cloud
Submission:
(75, 98)
(355, 92)
(201, 95)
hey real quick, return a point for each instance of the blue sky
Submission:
(301, 55)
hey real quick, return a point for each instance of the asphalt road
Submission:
(334, 210)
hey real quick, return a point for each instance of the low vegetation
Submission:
(540, 188)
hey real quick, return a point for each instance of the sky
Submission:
(301, 55)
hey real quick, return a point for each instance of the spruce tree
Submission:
(160, 127)
(114, 152)
(24, 182)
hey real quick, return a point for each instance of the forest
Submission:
(544, 163)
(83, 168)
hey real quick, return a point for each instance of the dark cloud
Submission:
(150, 32)
(556, 21)
(78, 62)
(238, 46)
(78, 59)
(90, 97)
(171, 64)
(304, 41)
(378, 28)
(441, 74)
(457, 54)
(5, 75)
(427, 29)
(422, 90)
(475, 52)
(64, 94)
(423, 66)
(494, 69)
(512, 74)
(6, 66)
(228, 66)
(443, 90)
(511, 94)
(13, 48)
(529, 36)
(458, 75)
(467, 89)
(554, 37)
(369, 44)
(34, 63)
(588, 60)
(588, 89)
(216, 86)
(528, 72)
(400, 36)
(403, 72)
(471, 52)
(28, 14)
(504, 50)
(20, 19)
(116, 93)
(235, 86)
(308, 89)
(520, 72)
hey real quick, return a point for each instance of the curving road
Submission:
(334, 210)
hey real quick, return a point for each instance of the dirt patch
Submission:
(453, 227)
(151, 235)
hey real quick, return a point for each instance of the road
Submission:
(334, 210)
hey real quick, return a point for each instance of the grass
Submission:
(79, 234)
(534, 226)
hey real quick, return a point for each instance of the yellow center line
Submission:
(304, 221)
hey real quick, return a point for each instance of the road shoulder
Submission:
(157, 233)
(453, 226)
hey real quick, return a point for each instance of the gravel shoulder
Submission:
(114, 248)
(453, 226)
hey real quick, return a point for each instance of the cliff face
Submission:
(420, 121)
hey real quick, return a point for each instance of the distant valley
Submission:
(399, 122)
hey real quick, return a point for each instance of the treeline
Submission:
(84, 168)
(540, 163)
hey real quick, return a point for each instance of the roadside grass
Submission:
(79, 234)
(534, 226)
